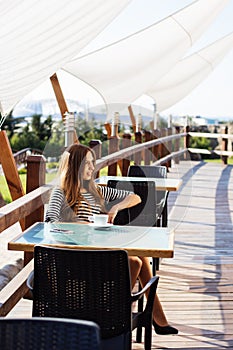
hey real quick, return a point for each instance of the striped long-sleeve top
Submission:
(87, 206)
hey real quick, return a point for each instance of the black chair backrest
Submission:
(47, 334)
(144, 213)
(147, 171)
(151, 171)
(85, 284)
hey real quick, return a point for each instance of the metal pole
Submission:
(69, 129)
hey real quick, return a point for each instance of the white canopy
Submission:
(123, 71)
(188, 73)
(39, 36)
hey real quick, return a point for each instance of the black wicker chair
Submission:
(92, 285)
(143, 214)
(161, 196)
(38, 333)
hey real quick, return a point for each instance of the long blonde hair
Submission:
(71, 175)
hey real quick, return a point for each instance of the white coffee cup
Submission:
(100, 219)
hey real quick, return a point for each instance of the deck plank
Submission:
(195, 287)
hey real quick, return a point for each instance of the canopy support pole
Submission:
(132, 117)
(10, 169)
(59, 95)
(61, 100)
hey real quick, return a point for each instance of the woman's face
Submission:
(88, 166)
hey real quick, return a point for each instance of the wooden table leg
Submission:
(28, 256)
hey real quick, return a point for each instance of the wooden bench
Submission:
(27, 210)
(15, 290)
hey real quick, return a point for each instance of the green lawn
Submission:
(229, 161)
(49, 177)
(6, 193)
(4, 188)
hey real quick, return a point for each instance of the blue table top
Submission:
(137, 240)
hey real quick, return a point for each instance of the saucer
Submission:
(100, 226)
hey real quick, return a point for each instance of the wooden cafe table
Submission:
(162, 184)
(155, 242)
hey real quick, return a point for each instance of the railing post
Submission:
(160, 146)
(138, 156)
(224, 145)
(36, 170)
(96, 145)
(177, 145)
(113, 147)
(147, 157)
(169, 146)
(156, 134)
(186, 140)
(163, 145)
(126, 142)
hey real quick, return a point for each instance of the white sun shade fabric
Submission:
(123, 71)
(188, 73)
(39, 36)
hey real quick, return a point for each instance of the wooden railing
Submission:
(38, 195)
(224, 143)
(21, 156)
(30, 207)
(125, 154)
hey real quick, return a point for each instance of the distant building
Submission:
(194, 121)
(44, 107)
(201, 121)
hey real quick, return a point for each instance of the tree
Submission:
(42, 130)
(12, 124)
(35, 136)
(89, 130)
(55, 145)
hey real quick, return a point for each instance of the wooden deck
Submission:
(195, 286)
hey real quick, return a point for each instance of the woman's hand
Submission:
(129, 201)
(112, 214)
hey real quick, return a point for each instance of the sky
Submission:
(212, 98)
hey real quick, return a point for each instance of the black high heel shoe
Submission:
(164, 330)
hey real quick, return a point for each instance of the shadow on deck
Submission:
(195, 287)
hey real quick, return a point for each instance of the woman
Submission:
(78, 198)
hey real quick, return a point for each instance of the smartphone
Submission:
(60, 230)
